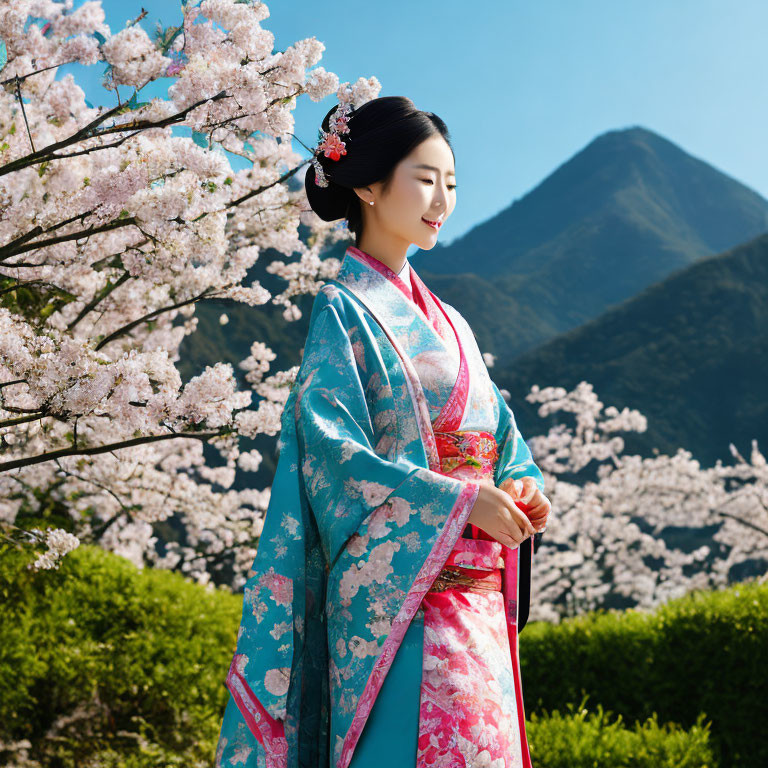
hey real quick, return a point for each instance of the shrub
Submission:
(103, 665)
(99, 658)
(580, 739)
(704, 653)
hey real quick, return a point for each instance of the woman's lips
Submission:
(433, 224)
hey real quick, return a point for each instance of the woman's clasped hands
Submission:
(512, 511)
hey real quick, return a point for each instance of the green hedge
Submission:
(127, 667)
(136, 658)
(580, 739)
(704, 653)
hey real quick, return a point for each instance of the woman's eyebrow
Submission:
(432, 168)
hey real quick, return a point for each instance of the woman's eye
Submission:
(429, 181)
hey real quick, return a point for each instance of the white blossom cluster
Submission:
(112, 227)
(639, 531)
(59, 542)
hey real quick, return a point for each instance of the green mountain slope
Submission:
(690, 353)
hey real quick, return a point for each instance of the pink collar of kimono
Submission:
(451, 415)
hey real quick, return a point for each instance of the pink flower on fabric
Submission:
(373, 493)
(358, 349)
(276, 680)
(280, 586)
(377, 568)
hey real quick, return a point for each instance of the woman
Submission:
(380, 617)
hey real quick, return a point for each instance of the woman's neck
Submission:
(393, 255)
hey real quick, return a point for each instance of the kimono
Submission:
(368, 579)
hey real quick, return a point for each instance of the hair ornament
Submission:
(331, 144)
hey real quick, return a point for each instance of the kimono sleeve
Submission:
(515, 458)
(276, 624)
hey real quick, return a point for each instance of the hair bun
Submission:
(329, 203)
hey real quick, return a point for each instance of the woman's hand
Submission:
(498, 515)
(528, 496)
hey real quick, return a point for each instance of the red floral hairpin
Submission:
(331, 144)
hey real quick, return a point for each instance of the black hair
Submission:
(382, 132)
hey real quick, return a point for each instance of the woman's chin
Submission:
(426, 243)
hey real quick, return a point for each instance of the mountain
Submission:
(689, 352)
(620, 215)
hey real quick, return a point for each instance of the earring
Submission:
(371, 202)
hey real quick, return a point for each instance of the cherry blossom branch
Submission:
(24, 113)
(130, 326)
(100, 530)
(40, 155)
(7, 252)
(21, 419)
(98, 297)
(26, 283)
(264, 187)
(47, 153)
(96, 147)
(30, 460)
(21, 78)
(38, 230)
(741, 521)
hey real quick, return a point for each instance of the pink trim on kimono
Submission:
(452, 413)
(519, 697)
(452, 529)
(269, 732)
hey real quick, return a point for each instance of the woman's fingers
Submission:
(528, 507)
(539, 511)
(525, 490)
(518, 518)
(507, 540)
(513, 487)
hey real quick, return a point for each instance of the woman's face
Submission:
(423, 187)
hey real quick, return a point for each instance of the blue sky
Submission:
(525, 85)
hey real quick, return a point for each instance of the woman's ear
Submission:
(365, 194)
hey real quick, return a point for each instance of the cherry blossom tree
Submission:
(633, 531)
(115, 222)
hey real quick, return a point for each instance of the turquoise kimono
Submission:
(361, 519)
